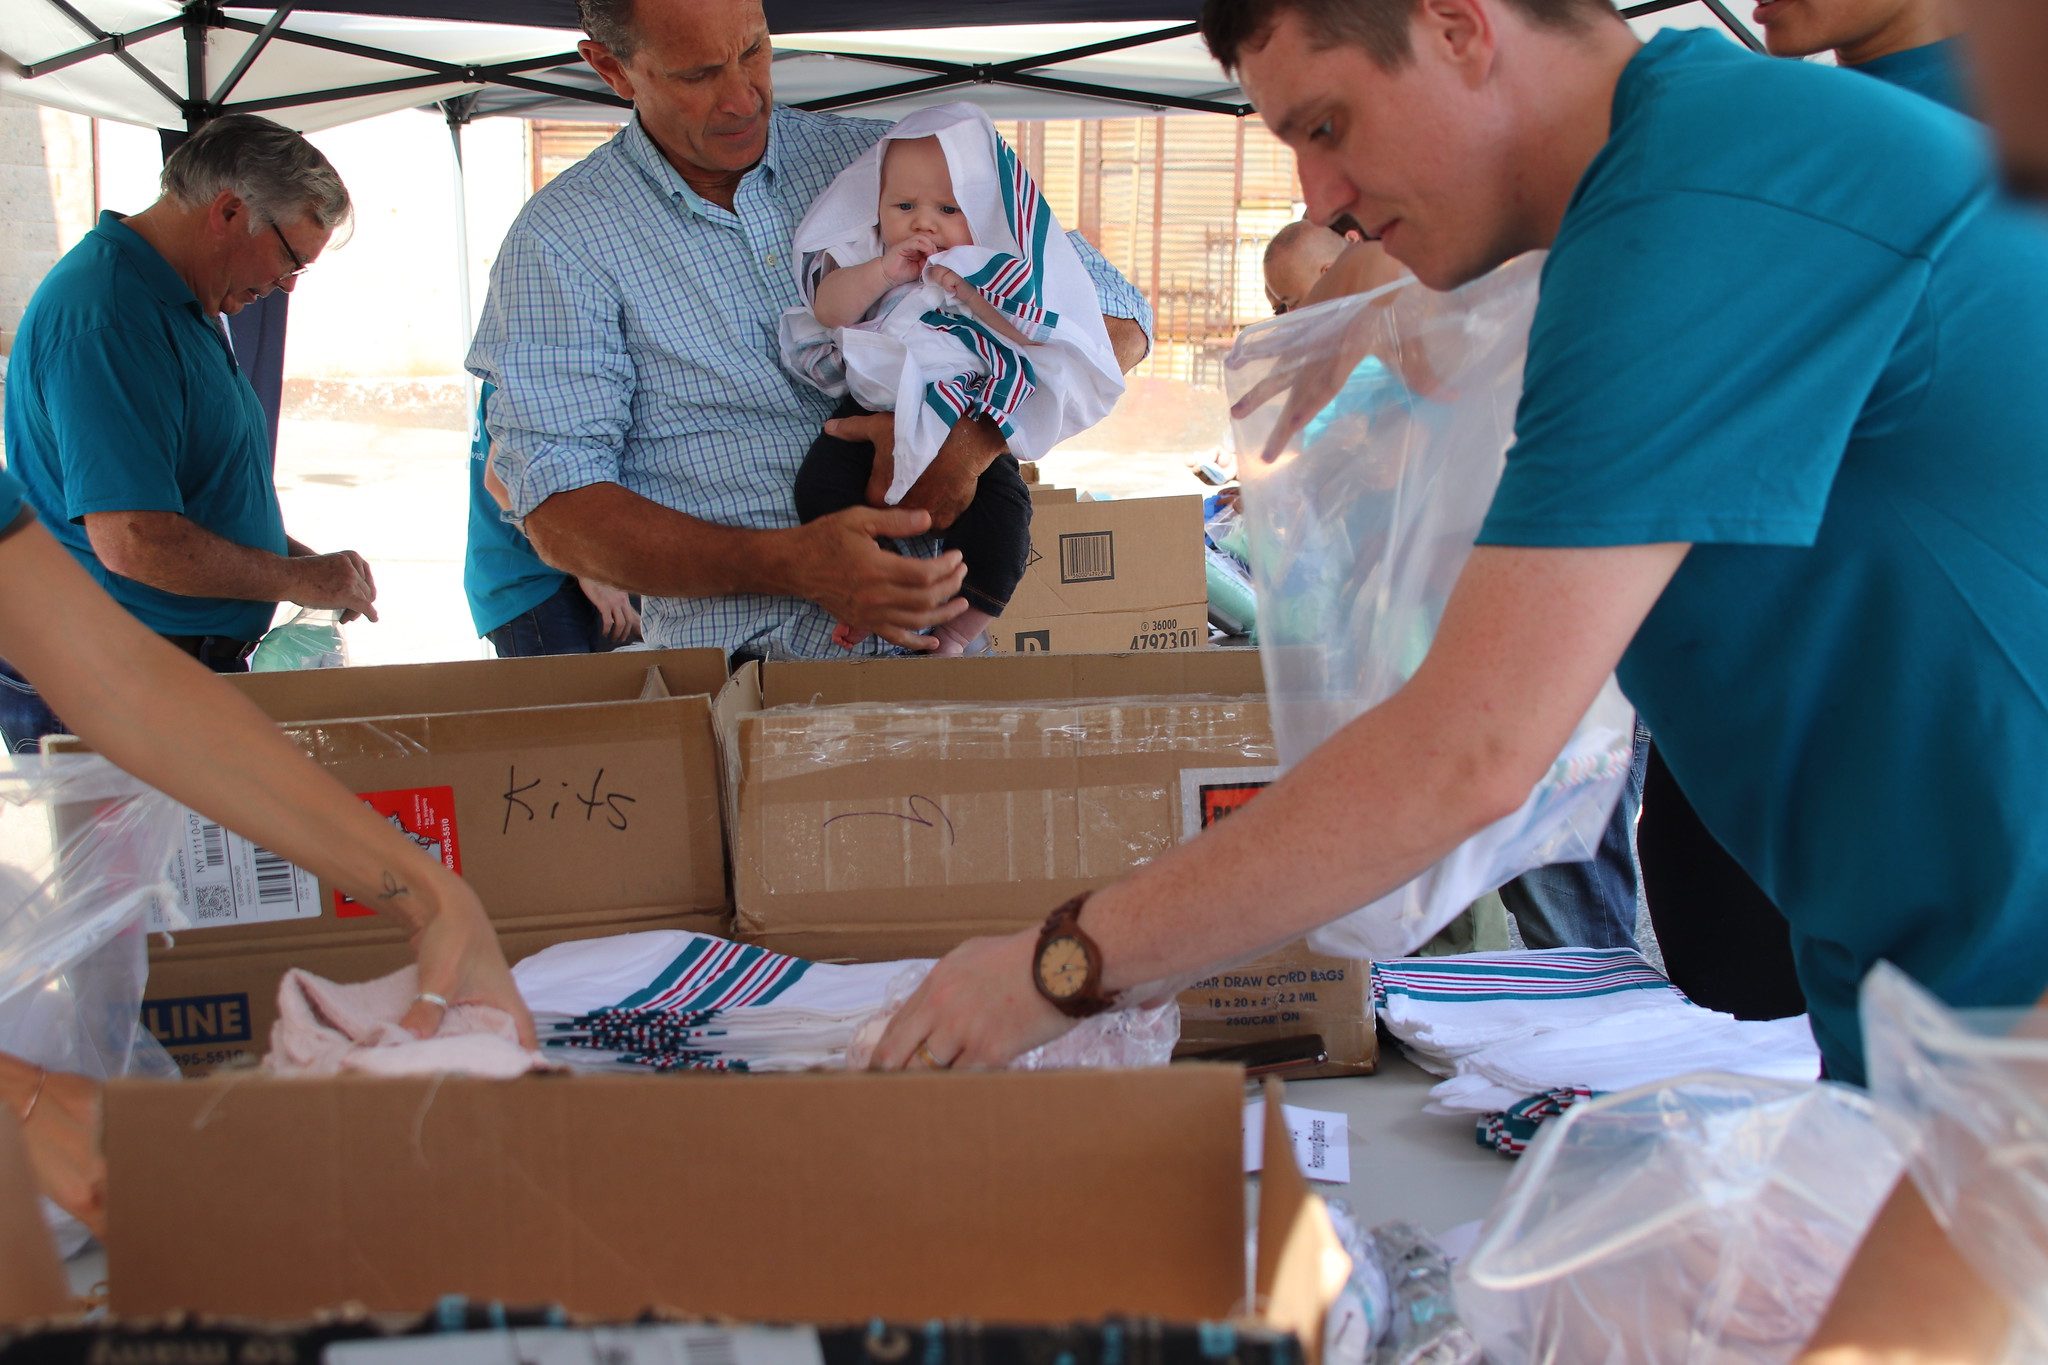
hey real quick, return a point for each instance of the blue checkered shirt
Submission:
(631, 334)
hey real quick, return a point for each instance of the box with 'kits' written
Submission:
(578, 795)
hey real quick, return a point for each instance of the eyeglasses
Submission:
(299, 267)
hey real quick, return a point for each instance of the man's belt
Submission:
(215, 651)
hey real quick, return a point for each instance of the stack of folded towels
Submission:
(669, 1000)
(1502, 1027)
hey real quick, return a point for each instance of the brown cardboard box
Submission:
(578, 795)
(1004, 1197)
(897, 807)
(1109, 577)
(31, 1280)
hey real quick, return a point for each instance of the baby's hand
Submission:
(906, 261)
(948, 280)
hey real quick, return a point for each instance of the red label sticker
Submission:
(1222, 798)
(425, 815)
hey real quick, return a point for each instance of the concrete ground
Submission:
(398, 495)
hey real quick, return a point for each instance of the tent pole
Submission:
(457, 111)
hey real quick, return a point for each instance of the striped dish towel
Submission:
(1444, 1008)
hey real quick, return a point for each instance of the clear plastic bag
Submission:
(1358, 531)
(312, 638)
(84, 857)
(1704, 1220)
(1972, 1088)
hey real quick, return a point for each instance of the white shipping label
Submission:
(222, 878)
(650, 1344)
(1322, 1141)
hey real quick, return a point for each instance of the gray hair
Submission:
(274, 170)
(610, 24)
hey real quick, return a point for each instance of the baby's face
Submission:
(917, 195)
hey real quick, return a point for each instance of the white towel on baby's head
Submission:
(924, 356)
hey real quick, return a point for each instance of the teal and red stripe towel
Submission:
(1444, 1008)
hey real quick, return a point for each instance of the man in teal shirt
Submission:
(133, 429)
(522, 604)
(1724, 943)
(1777, 458)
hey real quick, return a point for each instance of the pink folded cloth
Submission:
(326, 1027)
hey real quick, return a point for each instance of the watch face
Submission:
(1063, 968)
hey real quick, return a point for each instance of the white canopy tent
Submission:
(316, 64)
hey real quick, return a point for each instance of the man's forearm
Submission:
(175, 554)
(1381, 801)
(606, 532)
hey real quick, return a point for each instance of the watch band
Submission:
(1065, 923)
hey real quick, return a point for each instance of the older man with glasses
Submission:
(139, 439)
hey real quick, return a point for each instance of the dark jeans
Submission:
(1725, 943)
(1591, 904)
(993, 535)
(564, 624)
(25, 717)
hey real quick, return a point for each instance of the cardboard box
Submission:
(31, 1280)
(1282, 995)
(894, 808)
(1109, 577)
(1004, 1197)
(578, 795)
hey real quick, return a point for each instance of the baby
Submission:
(941, 289)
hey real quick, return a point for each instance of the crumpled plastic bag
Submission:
(1707, 1219)
(85, 851)
(1358, 532)
(312, 638)
(1971, 1087)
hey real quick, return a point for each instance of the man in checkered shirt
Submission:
(643, 421)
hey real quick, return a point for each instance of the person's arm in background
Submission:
(173, 553)
(1360, 269)
(550, 339)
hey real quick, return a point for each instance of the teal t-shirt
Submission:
(10, 498)
(502, 576)
(1818, 359)
(123, 395)
(1933, 70)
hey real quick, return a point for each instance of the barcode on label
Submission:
(699, 1348)
(274, 881)
(209, 844)
(1087, 557)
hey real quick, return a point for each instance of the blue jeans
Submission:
(24, 716)
(564, 624)
(1591, 904)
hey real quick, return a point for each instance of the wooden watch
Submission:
(1067, 968)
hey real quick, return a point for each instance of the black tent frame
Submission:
(200, 16)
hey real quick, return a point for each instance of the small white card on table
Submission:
(1322, 1141)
